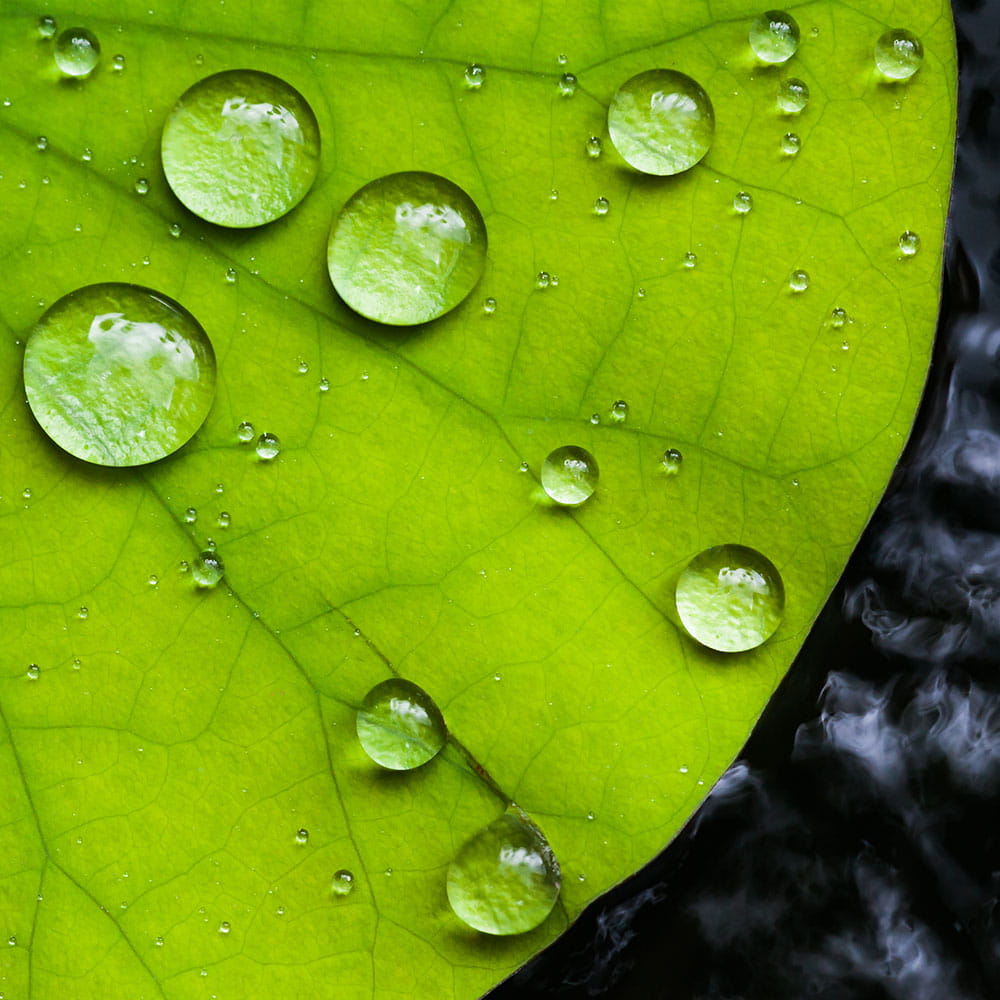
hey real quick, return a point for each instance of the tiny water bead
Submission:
(142, 186)
(244, 433)
(118, 374)
(41, 144)
(742, 202)
(569, 475)
(690, 259)
(399, 726)
(118, 63)
(774, 36)
(224, 519)
(231, 275)
(268, 447)
(302, 836)
(594, 147)
(567, 85)
(790, 144)
(672, 460)
(407, 248)
(793, 96)
(601, 206)
(224, 927)
(838, 317)
(47, 26)
(241, 148)
(175, 230)
(207, 569)
(76, 52)
(190, 515)
(343, 882)
(661, 122)
(798, 281)
(504, 879)
(619, 410)
(474, 76)
(909, 243)
(898, 54)
(33, 671)
(489, 306)
(730, 598)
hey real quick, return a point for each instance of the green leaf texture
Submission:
(154, 775)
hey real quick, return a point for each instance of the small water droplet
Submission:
(553, 195)
(590, 816)
(175, 230)
(619, 410)
(224, 519)
(224, 927)
(12, 940)
(183, 566)
(47, 26)
(543, 279)
(41, 143)
(87, 155)
(268, 447)
(594, 147)
(567, 85)
(793, 96)
(118, 63)
(33, 671)
(220, 488)
(244, 433)
(83, 613)
(595, 418)
(26, 493)
(489, 306)
(845, 346)
(474, 76)
(158, 942)
(280, 911)
(742, 202)
(909, 243)
(324, 385)
(641, 293)
(790, 144)
(302, 836)
(303, 367)
(672, 460)
(153, 580)
(343, 882)
(562, 59)
(76, 52)
(601, 206)
(523, 467)
(838, 318)
(399, 726)
(141, 186)
(190, 515)
(898, 54)
(774, 36)
(207, 569)
(231, 275)
(798, 281)
(569, 475)
(690, 259)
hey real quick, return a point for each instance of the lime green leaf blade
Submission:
(160, 766)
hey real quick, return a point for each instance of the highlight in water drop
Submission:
(798, 281)
(742, 202)
(661, 122)
(224, 519)
(898, 54)
(567, 85)
(504, 879)
(118, 374)
(407, 248)
(774, 37)
(190, 515)
(241, 148)
(207, 569)
(909, 243)
(671, 461)
(474, 76)
(601, 206)
(175, 230)
(730, 598)
(399, 726)
(790, 144)
(594, 147)
(343, 882)
(77, 52)
(268, 447)
(793, 96)
(570, 475)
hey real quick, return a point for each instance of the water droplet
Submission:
(672, 460)
(601, 206)
(790, 144)
(142, 186)
(225, 519)
(280, 911)
(12, 940)
(798, 281)
(399, 725)
(543, 279)
(158, 942)
(595, 418)
(690, 259)
(118, 63)
(76, 52)
(489, 306)
(407, 248)
(33, 671)
(231, 275)
(641, 293)
(83, 613)
(153, 580)
(244, 433)
(175, 230)
(41, 143)
(898, 54)
(343, 882)
(774, 36)
(474, 76)
(909, 243)
(742, 202)
(303, 367)
(569, 475)
(119, 375)
(302, 836)
(730, 598)
(504, 879)
(183, 566)
(324, 385)
(838, 318)
(190, 515)
(87, 155)
(567, 85)
(268, 447)
(793, 96)
(661, 122)
(562, 58)
(224, 927)
(523, 467)
(240, 148)
(594, 147)
(46, 26)
(207, 569)
(553, 195)
(619, 410)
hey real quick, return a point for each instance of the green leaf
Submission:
(156, 772)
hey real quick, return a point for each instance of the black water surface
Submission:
(853, 852)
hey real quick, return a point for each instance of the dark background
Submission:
(853, 851)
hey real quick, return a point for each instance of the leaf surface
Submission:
(156, 772)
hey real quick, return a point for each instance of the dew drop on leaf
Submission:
(742, 202)
(343, 882)
(594, 147)
(245, 432)
(898, 54)
(142, 186)
(231, 275)
(118, 63)
(790, 144)
(798, 281)
(224, 927)
(474, 76)
(601, 206)
(690, 259)
(47, 26)
(399, 725)
(207, 569)
(268, 447)
(569, 475)
(302, 836)
(567, 85)
(909, 243)
(774, 36)
(41, 143)
(619, 411)
(76, 52)
(671, 460)
(489, 306)
(838, 318)
(33, 671)
(793, 96)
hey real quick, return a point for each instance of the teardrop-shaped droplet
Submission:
(898, 54)
(601, 206)
(241, 148)
(774, 36)
(569, 475)
(46, 26)
(909, 243)
(730, 598)
(504, 879)
(76, 52)
(594, 147)
(399, 725)
(407, 248)
(118, 374)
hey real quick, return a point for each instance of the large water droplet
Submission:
(76, 52)
(774, 36)
(601, 206)
(241, 148)
(909, 243)
(407, 248)
(569, 475)
(118, 374)
(619, 410)
(898, 54)
(798, 281)
(504, 879)
(793, 96)
(399, 725)
(207, 569)
(742, 202)
(661, 122)
(268, 447)
(343, 882)
(730, 598)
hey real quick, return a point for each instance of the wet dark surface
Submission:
(853, 852)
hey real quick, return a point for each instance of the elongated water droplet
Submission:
(601, 206)
(774, 36)
(118, 63)
(793, 96)
(119, 375)
(730, 598)
(142, 186)
(244, 433)
(790, 144)
(46, 26)
(569, 475)
(909, 243)
(594, 147)
(567, 85)
(225, 519)
(489, 306)
(798, 281)
(241, 148)
(690, 259)
(343, 882)
(898, 54)
(268, 447)
(76, 52)
(407, 248)
(742, 202)
(661, 122)
(474, 76)
(672, 459)
(504, 879)
(324, 385)
(207, 569)
(399, 725)
(231, 275)
(619, 410)
(190, 515)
